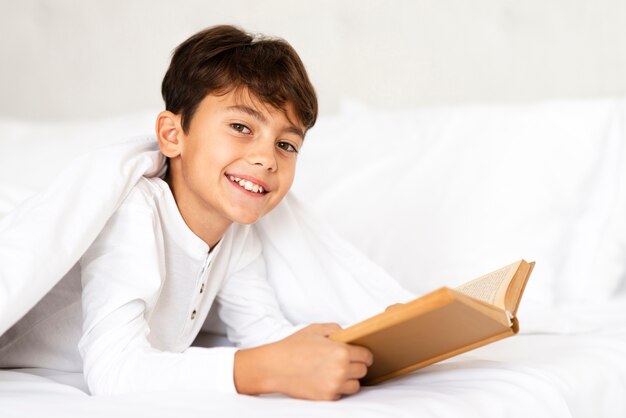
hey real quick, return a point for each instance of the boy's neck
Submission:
(207, 226)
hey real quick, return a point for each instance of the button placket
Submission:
(194, 313)
(203, 273)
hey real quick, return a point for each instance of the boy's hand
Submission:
(305, 365)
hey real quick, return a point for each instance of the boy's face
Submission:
(237, 161)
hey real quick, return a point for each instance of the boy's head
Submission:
(222, 59)
(237, 110)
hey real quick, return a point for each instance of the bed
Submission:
(436, 196)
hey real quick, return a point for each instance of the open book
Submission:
(441, 324)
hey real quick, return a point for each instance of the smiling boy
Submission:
(236, 162)
(237, 110)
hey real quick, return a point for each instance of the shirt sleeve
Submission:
(247, 304)
(122, 273)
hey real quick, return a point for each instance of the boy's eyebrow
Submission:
(250, 111)
(260, 117)
(295, 130)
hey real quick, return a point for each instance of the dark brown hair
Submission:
(223, 58)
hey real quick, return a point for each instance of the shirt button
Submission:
(202, 288)
(193, 315)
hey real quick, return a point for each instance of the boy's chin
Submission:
(246, 219)
(247, 222)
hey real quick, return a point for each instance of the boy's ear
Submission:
(169, 133)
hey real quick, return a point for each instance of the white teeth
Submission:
(247, 184)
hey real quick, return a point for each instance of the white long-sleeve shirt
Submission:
(128, 311)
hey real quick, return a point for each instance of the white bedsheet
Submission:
(581, 373)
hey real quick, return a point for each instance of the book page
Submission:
(488, 287)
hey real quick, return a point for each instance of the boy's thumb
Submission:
(325, 329)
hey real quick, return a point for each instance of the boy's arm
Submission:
(247, 304)
(296, 360)
(122, 273)
(248, 307)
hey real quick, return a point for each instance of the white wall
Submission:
(85, 58)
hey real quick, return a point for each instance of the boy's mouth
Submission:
(247, 185)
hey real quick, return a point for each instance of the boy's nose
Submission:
(262, 153)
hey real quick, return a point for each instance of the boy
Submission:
(237, 110)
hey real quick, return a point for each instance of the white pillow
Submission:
(440, 196)
(609, 263)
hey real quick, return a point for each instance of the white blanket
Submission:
(317, 276)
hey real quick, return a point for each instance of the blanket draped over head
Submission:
(317, 277)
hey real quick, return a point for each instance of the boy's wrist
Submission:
(251, 372)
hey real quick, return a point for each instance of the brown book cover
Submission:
(440, 324)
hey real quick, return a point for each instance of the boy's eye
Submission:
(241, 128)
(287, 146)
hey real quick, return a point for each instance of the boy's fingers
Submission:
(350, 387)
(356, 370)
(329, 328)
(361, 354)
